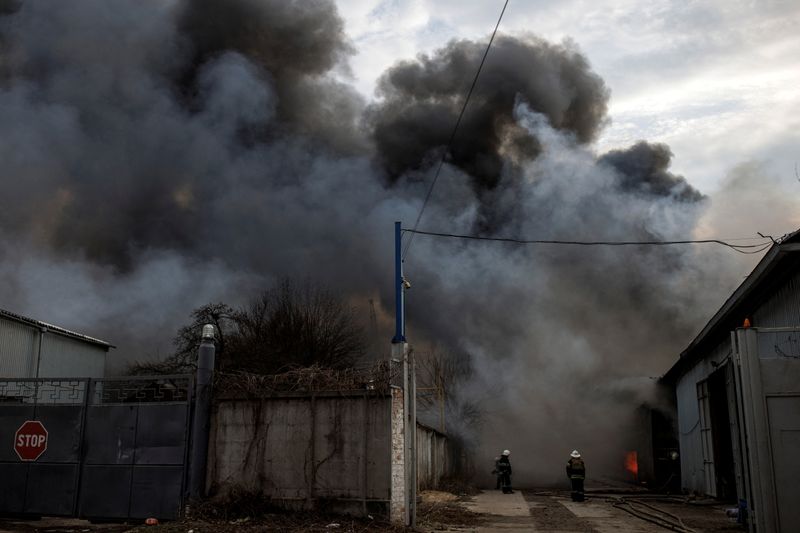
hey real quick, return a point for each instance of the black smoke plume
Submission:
(158, 156)
(643, 169)
(297, 43)
(422, 100)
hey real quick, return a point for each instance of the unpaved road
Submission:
(553, 511)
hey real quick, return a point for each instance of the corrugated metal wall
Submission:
(61, 356)
(782, 309)
(19, 345)
(691, 446)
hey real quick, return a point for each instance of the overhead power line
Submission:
(741, 248)
(453, 134)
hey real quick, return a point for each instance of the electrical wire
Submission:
(741, 248)
(455, 129)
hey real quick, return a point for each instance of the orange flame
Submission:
(632, 463)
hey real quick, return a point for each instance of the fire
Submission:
(632, 463)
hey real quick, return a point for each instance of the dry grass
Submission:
(438, 514)
(243, 510)
(458, 486)
(295, 522)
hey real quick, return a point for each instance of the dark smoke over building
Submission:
(161, 155)
(422, 100)
(643, 168)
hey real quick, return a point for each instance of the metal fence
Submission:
(115, 448)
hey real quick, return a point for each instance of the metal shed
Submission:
(32, 348)
(737, 391)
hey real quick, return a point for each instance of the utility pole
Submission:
(400, 353)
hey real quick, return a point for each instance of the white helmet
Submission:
(506, 452)
(575, 454)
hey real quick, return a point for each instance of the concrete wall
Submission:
(337, 451)
(330, 450)
(435, 459)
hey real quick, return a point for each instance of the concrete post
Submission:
(201, 423)
(411, 395)
(398, 508)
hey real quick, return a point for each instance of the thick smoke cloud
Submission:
(297, 42)
(643, 168)
(422, 100)
(161, 156)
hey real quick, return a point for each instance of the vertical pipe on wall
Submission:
(399, 303)
(201, 423)
(364, 451)
(312, 450)
(42, 331)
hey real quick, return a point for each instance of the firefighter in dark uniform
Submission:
(576, 472)
(504, 469)
(496, 472)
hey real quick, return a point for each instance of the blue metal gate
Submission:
(116, 448)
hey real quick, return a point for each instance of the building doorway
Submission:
(725, 478)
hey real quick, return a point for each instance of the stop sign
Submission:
(30, 440)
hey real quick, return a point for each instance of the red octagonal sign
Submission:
(30, 440)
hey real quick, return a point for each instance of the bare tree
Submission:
(295, 326)
(187, 341)
(441, 378)
(287, 326)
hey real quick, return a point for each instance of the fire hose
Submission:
(645, 511)
(652, 514)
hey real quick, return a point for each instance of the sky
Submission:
(715, 80)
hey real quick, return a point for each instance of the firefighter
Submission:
(576, 472)
(504, 469)
(496, 472)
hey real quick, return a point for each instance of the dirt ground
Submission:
(553, 511)
(550, 515)
(295, 522)
(528, 510)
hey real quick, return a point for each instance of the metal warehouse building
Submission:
(31, 348)
(737, 391)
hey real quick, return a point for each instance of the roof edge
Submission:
(753, 280)
(55, 329)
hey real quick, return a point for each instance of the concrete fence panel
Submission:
(435, 459)
(304, 451)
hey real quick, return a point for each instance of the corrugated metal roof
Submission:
(779, 262)
(54, 329)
